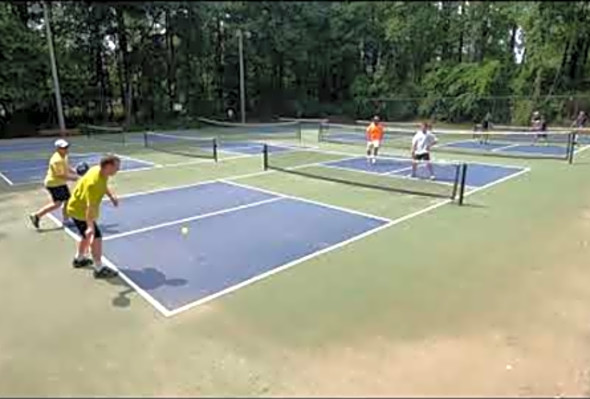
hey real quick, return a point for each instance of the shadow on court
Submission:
(50, 229)
(147, 279)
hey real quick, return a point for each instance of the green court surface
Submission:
(489, 298)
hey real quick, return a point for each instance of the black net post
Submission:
(145, 139)
(462, 184)
(299, 133)
(265, 156)
(571, 147)
(456, 181)
(321, 131)
(215, 156)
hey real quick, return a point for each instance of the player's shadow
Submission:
(50, 229)
(147, 279)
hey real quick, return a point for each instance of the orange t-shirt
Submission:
(375, 132)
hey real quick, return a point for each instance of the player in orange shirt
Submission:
(374, 138)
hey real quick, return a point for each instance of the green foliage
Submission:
(131, 62)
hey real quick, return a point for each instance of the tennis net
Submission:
(182, 145)
(251, 131)
(388, 173)
(521, 144)
(104, 133)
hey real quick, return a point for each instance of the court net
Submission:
(227, 131)
(506, 143)
(104, 133)
(182, 145)
(387, 173)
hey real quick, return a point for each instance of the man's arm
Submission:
(64, 172)
(112, 197)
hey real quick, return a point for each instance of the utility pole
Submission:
(60, 112)
(242, 86)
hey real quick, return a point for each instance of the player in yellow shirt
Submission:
(84, 208)
(58, 173)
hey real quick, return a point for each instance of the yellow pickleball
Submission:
(184, 230)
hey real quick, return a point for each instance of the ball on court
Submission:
(184, 230)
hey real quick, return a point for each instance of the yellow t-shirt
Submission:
(58, 165)
(89, 191)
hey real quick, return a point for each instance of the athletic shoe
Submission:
(433, 177)
(79, 263)
(105, 273)
(34, 220)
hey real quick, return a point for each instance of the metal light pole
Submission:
(60, 113)
(242, 86)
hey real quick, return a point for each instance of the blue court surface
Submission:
(25, 171)
(236, 235)
(519, 146)
(17, 145)
(478, 174)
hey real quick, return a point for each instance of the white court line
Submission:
(581, 149)
(505, 147)
(246, 175)
(502, 180)
(151, 300)
(318, 203)
(6, 179)
(442, 160)
(304, 259)
(390, 174)
(192, 218)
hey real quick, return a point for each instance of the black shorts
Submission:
(83, 226)
(422, 157)
(60, 193)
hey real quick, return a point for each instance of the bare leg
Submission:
(414, 165)
(64, 212)
(48, 208)
(430, 169)
(96, 248)
(83, 248)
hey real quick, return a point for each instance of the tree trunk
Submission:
(171, 81)
(126, 92)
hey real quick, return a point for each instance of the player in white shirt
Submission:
(422, 142)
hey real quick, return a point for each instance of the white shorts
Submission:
(373, 143)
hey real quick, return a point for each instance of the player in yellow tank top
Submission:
(58, 173)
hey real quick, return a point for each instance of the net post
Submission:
(145, 139)
(571, 147)
(299, 134)
(123, 136)
(462, 185)
(265, 156)
(321, 131)
(456, 181)
(215, 149)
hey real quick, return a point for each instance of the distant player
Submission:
(84, 207)
(422, 143)
(579, 123)
(374, 139)
(539, 125)
(58, 174)
(486, 124)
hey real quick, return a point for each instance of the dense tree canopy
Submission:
(454, 60)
